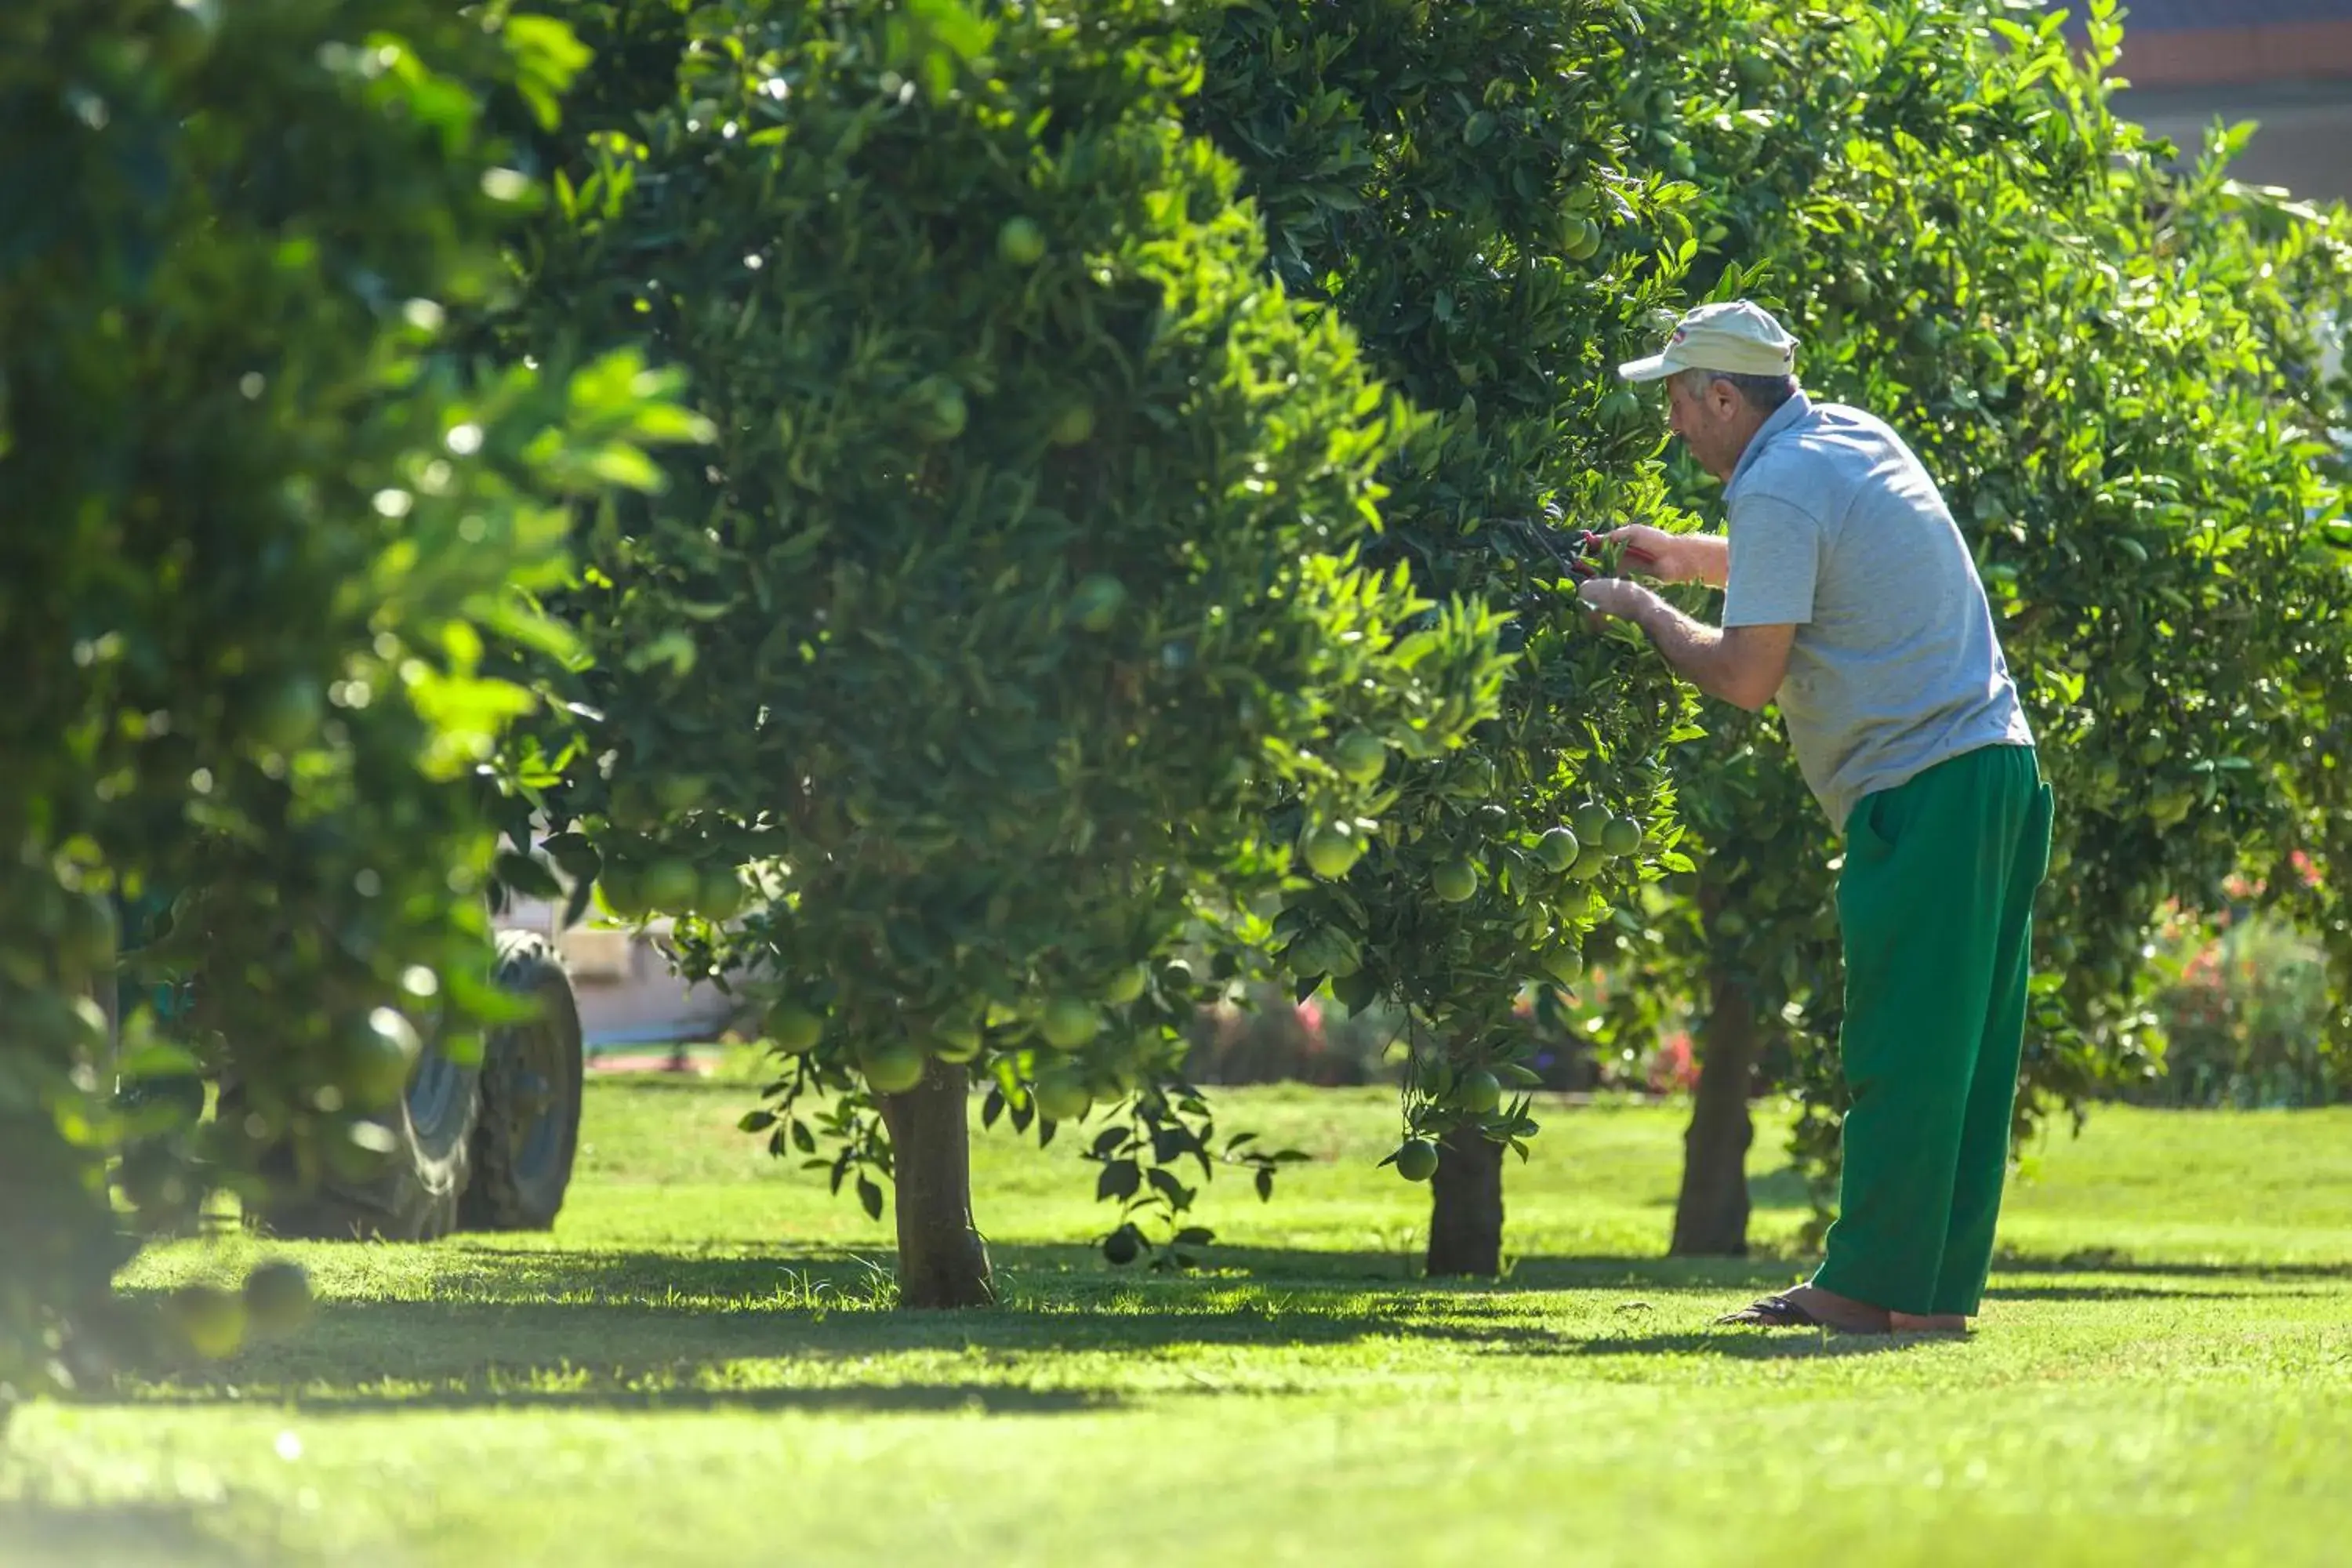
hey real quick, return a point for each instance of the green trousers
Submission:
(1936, 908)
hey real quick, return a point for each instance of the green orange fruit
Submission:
(278, 1296)
(680, 792)
(941, 412)
(672, 886)
(956, 1040)
(1062, 1095)
(1558, 847)
(209, 1318)
(892, 1067)
(792, 1029)
(1021, 242)
(720, 897)
(621, 891)
(383, 1053)
(1067, 1024)
(1096, 602)
(1330, 850)
(1360, 756)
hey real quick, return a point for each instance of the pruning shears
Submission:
(1588, 558)
(1581, 553)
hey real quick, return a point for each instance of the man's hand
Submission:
(1616, 597)
(1673, 557)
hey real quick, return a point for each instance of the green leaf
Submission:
(526, 876)
(1119, 1180)
(159, 1058)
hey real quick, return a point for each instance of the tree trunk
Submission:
(1711, 1215)
(942, 1262)
(1466, 1206)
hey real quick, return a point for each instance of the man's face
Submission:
(1714, 422)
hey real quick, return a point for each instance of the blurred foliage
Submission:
(262, 523)
(2239, 1001)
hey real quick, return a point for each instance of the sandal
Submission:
(1775, 1313)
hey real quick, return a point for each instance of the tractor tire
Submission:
(529, 1130)
(414, 1195)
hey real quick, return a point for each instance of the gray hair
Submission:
(1762, 393)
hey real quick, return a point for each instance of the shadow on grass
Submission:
(1072, 1275)
(2117, 1262)
(659, 1331)
(1758, 1344)
(651, 1331)
(35, 1534)
(2112, 1275)
(2250, 1290)
(632, 1393)
(1654, 1273)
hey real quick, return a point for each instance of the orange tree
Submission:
(1015, 621)
(1457, 184)
(2100, 363)
(2289, 267)
(261, 523)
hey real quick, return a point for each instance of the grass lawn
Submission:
(690, 1370)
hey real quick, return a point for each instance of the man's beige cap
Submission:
(1738, 337)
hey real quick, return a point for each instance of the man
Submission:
(1850, 596)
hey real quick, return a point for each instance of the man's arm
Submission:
(1740, 665)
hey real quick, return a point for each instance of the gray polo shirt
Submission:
(1836, 529)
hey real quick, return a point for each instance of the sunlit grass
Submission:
(698, 1365)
